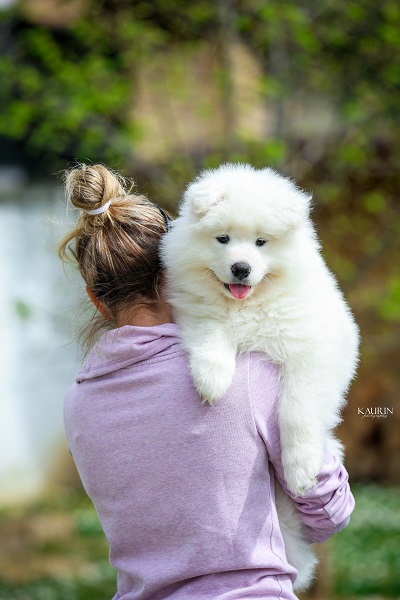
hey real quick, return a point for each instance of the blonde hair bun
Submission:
(116, 250)
(89, 187)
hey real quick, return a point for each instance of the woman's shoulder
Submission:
(263, 382)
(128, 346)
(263, 372)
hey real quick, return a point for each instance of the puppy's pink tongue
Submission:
(238, 290)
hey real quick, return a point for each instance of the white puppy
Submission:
(245, 274)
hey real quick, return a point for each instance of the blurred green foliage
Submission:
(342, 50)
(67, 564)
(23, 310)
(366, 555)
(68, 91)
(100, 586)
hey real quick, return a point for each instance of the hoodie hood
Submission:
(128, 345)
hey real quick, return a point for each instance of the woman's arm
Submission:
(326, 508)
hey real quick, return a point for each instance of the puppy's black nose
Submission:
(240, 270)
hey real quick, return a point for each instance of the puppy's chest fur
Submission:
(273, 328)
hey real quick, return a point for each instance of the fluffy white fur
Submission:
(293, 312)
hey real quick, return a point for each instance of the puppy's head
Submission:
(242, 222)
(270, 196)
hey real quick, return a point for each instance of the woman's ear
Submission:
(101, 307)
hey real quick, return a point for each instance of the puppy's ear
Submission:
(201, 196)
(291, 204)
(295, 208)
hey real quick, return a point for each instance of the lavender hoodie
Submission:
(184, 490)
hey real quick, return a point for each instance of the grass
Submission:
(366, 556)
(56, 550)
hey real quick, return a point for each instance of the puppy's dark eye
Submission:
(223, 239)
(260, 242)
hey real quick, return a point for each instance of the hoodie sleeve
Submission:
(325, 509)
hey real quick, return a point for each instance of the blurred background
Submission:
(160, 89)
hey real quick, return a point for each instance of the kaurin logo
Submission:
(376, 412)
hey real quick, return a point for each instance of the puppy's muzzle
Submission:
(240, 270)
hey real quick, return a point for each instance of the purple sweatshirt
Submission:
(185, 491)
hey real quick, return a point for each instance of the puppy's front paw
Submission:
(301, 470)
(299, 480)
(212, 378)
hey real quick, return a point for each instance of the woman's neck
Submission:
(144, 316)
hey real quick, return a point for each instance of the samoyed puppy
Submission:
(244, 273)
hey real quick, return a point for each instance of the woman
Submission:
(184, 490)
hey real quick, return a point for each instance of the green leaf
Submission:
(23, 310)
